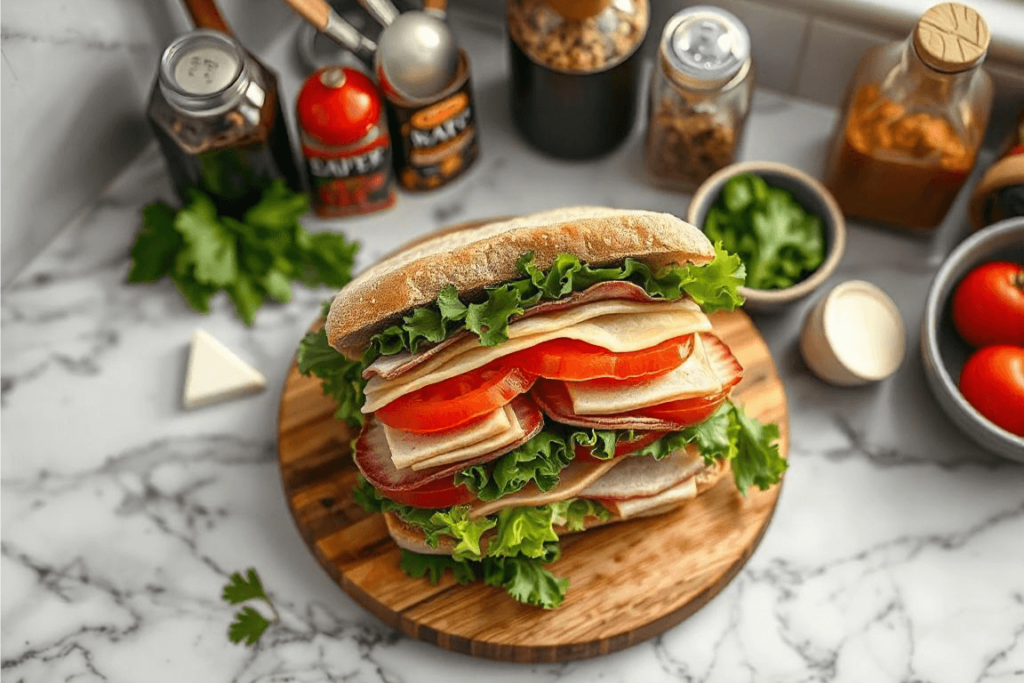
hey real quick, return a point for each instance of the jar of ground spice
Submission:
(699, 98)
(574, 70)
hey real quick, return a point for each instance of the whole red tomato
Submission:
(988, 305)
(993, 382)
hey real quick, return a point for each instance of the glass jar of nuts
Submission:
(574, 72)
(699, 98)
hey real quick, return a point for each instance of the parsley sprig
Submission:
(249, 624)
(252, 259)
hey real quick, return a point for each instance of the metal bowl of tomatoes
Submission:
(980, 383)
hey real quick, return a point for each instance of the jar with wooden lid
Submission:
(574, 67)
(699, 98)
(914, 118)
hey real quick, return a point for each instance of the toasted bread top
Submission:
(479, 257)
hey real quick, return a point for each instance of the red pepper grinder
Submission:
(345, 142)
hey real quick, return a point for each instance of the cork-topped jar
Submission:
(914, 119)
(574, 72)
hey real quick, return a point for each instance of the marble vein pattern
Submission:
(895, 553)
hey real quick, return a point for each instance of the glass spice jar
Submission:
(914, 118)
(699, 97)
(217, 117)
(574, 67)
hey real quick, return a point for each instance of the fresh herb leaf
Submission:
(252, 260)
(248, 625)
(778, 240)
(243, 588)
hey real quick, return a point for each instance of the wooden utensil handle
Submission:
(206, 14)
(316, 12)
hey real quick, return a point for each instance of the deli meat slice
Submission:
(619, 326)
(389, 367)
(638, 507)
(373, 457)
(694, 378)
(643, 476)
(554, 399)
(409, 449)
(576, 476)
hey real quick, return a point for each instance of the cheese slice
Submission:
(636, 507)
(409, 448)
(216, 374)
(514, 433)
(694, 378)
(644, 326)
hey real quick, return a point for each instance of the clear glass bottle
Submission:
(574, 67)
(699, 98)
(914, 117)
(217, 116)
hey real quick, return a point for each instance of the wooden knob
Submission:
(951, 37)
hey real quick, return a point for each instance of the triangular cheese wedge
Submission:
(216, 374)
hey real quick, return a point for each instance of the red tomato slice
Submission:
(575, 361)
(622, 447)
(687, 411)
(440, 493)
(457, 401)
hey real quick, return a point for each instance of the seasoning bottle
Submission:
(345, 143)
(699, 98)
(574, 70)
(914, 118)
(218, 120)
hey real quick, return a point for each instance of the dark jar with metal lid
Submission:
(575, 72)
(345, 143)
(699, 98)
(217, 116)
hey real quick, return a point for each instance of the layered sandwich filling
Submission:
(573, 397)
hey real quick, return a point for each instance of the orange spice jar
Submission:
(914, 119)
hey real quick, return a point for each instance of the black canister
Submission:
(574, 70)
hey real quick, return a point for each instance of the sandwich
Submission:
(534, 377)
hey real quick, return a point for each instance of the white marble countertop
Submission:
(895, 553)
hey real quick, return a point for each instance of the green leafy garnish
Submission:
(525, 578)
(252, 259)
(342, 378)
(713, 287)
(778, 240)
(249, 624)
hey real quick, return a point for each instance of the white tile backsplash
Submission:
(833, 52)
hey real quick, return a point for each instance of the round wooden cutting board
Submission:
(628, 581)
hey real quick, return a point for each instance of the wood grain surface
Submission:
(628, 581)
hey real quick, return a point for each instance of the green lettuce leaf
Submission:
(342, 378)
(757, 461)
(538, 460)
(434, 566)
(456, 523)
(713, 287)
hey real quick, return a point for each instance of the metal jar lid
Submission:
(705, 47)
(203, 73)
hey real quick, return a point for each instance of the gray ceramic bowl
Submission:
(811, 194)
(944, 352)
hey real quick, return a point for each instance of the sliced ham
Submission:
(389, 367)
(554, 399)
(643, 477)
(408, 448)
(619, 326)
(667, 499)
(695, 377)
(373, 457)
(576, 476)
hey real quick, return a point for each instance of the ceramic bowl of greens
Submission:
(783, 223)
